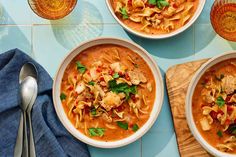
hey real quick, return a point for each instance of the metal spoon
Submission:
(26, 93)
(29, 109)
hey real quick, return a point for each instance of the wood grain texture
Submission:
(177, 80)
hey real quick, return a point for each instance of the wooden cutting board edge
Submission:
(171, 73)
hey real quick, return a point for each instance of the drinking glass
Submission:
(223, 18)
(52, 9)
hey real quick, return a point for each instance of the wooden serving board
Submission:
(178, 78)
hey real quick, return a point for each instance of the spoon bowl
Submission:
(28, 69)
(27, 90)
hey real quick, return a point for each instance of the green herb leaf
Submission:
(62, 96)
(219, 133)
(136, 65)
(93, 111)
(96, 131)
(124, 13)
(116, 75)
(220, 101)
(135, 127)
(232, 129)
(153, 2)
(92, 83)
(80, 67)
(123, 125)
(220, 77)
(164, 3)
(122, 88)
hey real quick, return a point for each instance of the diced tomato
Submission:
(99, 69)
(76, 103)
(227, 122)
(220, 112)
(175, 5)
(206, 80)
(228, 98)
(235, 121)
(213, 114)
(87, 109)
(101, 78)
(131, 125)
(120, 108)
(129, 2)
(70, 88)
(111, 72)
(229, 108)
(127, 77)
(120, 73)
(132, 96)
(75, 76)
(76, 94)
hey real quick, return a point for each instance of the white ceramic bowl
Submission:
(156, 107)
(188, 103)
(161, 36)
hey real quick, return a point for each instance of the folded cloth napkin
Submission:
(51, 138)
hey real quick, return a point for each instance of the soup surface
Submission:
(214, 106)
(155, 16)
(108, 92)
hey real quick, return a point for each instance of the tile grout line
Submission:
(141, 147)
(194, 47)
(58, 24)
(32, 43)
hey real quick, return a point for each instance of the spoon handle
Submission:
(25, 144)
(19, 140)
(31, 140)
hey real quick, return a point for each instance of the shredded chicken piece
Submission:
(111, 100)
(137, 77)
(229, 84)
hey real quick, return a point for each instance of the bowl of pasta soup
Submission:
(108, 92)
(155, 19)
(210, 105)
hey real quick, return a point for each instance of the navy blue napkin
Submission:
(51, 138)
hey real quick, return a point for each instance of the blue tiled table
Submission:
(49, 41)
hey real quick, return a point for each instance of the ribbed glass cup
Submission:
(52, 9)
(223, 18)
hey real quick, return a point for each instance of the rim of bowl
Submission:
(76, 1)
(188, 102)
(159, 36)
(156, 106)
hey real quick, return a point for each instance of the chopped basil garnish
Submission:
(96, 131)
(136, 65)
(124, 13)
(92, 83)
(135, 127)
(123, 125)
(122, 88)
(80, 67)
(153, 2)
(220, 77)
(159, 3)
(63, 96)
(93, 111)
(219, 133)
(232, 129)
(116, 75)
(220, 101)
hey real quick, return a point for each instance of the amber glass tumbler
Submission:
(52, 9)
(223, 18)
